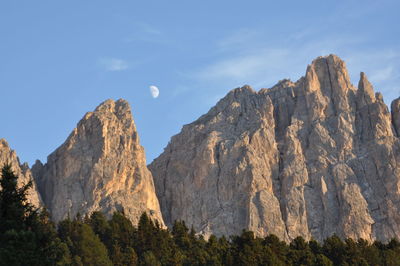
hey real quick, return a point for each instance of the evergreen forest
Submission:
(29, 237)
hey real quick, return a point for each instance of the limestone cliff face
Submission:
(9, 156)
(100, 167)
(310, 158)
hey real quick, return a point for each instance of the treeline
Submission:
(28, 237)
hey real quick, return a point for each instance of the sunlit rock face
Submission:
(9, 156)
(311, 158)
(100, 167)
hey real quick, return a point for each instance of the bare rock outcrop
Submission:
(9, 156)
(309, 158)
(396, 115)
(100, 167)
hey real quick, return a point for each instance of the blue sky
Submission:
(60, 59)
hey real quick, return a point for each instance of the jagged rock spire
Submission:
(365, 93)
(100, 167)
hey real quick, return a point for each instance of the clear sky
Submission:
(60, 59)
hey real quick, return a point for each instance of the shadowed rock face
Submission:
(396, 115)
(100, 167)
(9, 156)
(310, 158)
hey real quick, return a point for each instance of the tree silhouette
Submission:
(27, 235)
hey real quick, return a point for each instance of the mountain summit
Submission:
(100, 167)
(309, 158)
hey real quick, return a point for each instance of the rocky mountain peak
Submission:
(107, 113)
(365, 92)
(329, 68)
(119, 108)
(101, 166)
(236, 95)
(308, 158)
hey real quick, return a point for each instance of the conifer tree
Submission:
(27, 235)
(84, 245)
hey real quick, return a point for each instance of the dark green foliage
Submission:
(100, 225)
(84, 245)
(15, 212)
(278, 247)
(149, 244)
(26, 233)
(335, 249)
(193, 248)
(150, 260)
(322, 260)
(247, 249)
(300, 252)
(152, 238)
(27, 237)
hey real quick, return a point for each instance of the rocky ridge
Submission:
(100, 167)
(309, 158)
(9, 156)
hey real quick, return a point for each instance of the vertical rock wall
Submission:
(310, 158)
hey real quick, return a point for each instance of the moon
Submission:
(154, 91)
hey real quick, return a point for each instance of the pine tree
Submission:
(15, 212)
(152, 240)
(335, 249)
(27, 235)
(84, 245)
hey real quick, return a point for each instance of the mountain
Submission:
(309, 158)
(9, 156)
(100, 167)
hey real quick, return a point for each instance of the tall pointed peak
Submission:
(3, 142)
(100, 167)
(329, 74)
(365, 90)
(329, 58)
(364, 83)
(109, 113)
(333, 64)
(112, 106)
(334, 61)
